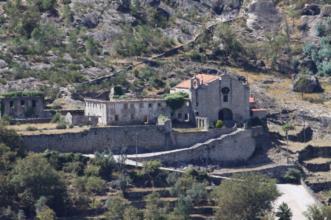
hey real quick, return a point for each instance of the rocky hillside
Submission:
(76, 48)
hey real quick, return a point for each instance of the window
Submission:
(11, 104)
(197, 113)
(179, 116)
(116, 117)
(186, 117)
(225, 91)
(132, 116)
(150, 105)
(141, 105)
(131, 105)
(125, 105)
(159, 104)
(22, 102)
(225, 98)
(34, 103)
(145, 119)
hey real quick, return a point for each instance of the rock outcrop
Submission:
(263, 16)
(307, 84)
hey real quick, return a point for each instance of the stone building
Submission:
(21, 105)
(210, 97)
(126, 111)
(224, 97)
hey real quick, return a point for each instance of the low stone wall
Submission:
(322, 167)
(235, 147)
(311, 152)
(119, 139)
(276, 172)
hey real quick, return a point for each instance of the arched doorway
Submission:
(225, 114)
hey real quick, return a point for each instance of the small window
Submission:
(11, 104)
(225, 98)
(225, 90)
(145, 119)
(22, 102)
(159, 104)
(34, 103)
(125, 105)
(179, 116)
(116, 117)
(150, 105)
(141, 105)
(197, 113)
(132, 116)
(186, 117)
(131, 105)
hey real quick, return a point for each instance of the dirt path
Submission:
(297, 198)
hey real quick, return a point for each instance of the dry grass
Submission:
(318, 160)
(44, 128)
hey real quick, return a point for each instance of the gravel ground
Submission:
(297, 198)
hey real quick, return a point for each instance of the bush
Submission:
(31, 128)
(34, 177)
(251, 194)
(320, 30)
(219, 124)
(292, 176)
(95, 185)
(61, 125)
(176, 100)
(56, 118)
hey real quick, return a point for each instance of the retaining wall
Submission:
(235, 147)
(147, 138)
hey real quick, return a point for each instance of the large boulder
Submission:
(326, 11)
(263, 15)
(307, 84)
(3, 64)
(309, 65)
(311, 10)
(91, 20)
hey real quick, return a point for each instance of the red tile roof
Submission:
(204, 79)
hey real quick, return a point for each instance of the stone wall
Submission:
(147, 138)
(22, 107)
(235, 147)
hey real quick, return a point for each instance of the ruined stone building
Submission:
(22, 105)
(210, 98)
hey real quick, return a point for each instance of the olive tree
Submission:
(245, 197)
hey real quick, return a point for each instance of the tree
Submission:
(32, 178)
(318, 213)
(132, 213)
(116, 207)
(286, 128)
(153, 210)
(284, 212)
(43, 211)
(152, 170)
(46, 36)
(106, 163)
(245, 197)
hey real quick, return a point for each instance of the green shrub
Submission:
(292, 176)
(31, 128)
(56, 118)
(92, 170)
(320, 30)
(95, 185)
(176, 100)
(61, 125)
(219, 124)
